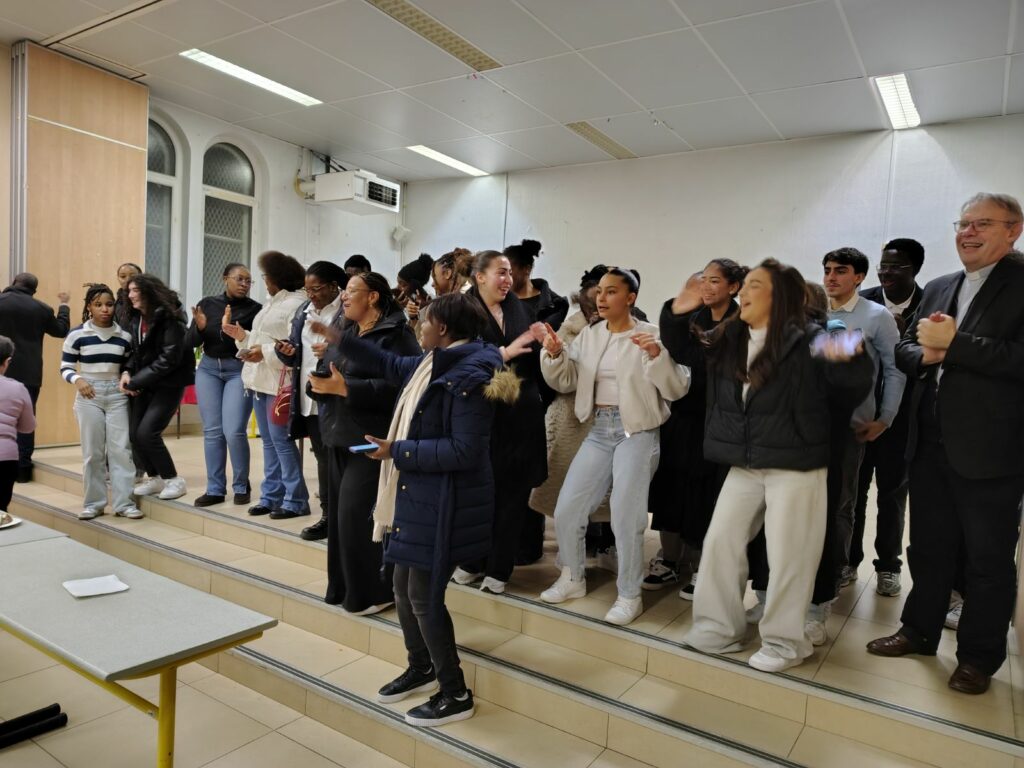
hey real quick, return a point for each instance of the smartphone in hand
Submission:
(365, 448)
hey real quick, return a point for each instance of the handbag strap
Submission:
(283, 378)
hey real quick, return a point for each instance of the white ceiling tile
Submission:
(480, 103)
(958, 91)
(196, 22)
(286, 132)
(499, 28)
(424, 166)
(353, 160)
(200, 78)
(10, 33)
(798, 46)
(274, 54)
(718, 123)
(343, 129)
(112, 5)
(406, 116)
(50, 17)
(486, 154)
(703, 11)
(900, 35)
(814, 110)
(565, 87)
(126, 43)
(272, 10)
(583, 23)
(123, 70)
(641, 133)
(553, 145)
(1015, 103)
(200, 102)
(369, 39)
(665, 70)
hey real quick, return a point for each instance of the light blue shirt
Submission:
(880, 338)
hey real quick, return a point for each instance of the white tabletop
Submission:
(156, 622)
(25, 531)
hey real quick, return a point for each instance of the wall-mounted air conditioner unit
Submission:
(356, 191)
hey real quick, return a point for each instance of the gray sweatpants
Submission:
(103, 424)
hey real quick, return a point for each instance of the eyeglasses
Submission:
(893, 268)
(980, 225)
(314, 289)
(242, 280)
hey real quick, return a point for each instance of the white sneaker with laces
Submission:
(464, 577)
(769, 660)
(888, 584)
(149, 487)
(173, 489)
(816, 632)
(564, 588)
(625, 610)
(132, 513)
(493, 585)
(89, 514)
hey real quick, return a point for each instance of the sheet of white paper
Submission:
(101, 585)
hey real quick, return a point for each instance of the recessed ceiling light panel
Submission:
(209, 60)
(895, 93)
(451, 162)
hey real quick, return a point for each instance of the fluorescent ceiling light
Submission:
(898, 102)
(458, 165)
(209, 60)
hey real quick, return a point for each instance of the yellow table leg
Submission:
(165, 719)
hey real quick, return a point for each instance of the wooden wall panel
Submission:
(77, 95)
(5, 158)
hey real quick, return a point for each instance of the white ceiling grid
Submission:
(656, 76)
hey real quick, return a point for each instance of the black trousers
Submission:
(429, 637)
(511, 504)
(27, 440)
(150, 413)
(316, 442)
(531, 537)
(356, 577)
(884, 459)
(8, 474)
(953, 517)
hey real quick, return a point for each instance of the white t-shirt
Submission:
(754, 346)
(606, 385)
(308, 340)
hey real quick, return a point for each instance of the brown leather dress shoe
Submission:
(896, 645)
(967, 678)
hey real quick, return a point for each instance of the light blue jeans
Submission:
(608, 457)
(283, 485)
(103, 425)
(225, 410)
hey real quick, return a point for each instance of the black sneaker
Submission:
(660, 574)
(316, 531)
(243, 498)
(259, 510)
(208, 500)
(441, 709)
(406, 684)
(284, 514)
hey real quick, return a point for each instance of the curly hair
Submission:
(285, 272)
(92, 291)
(524, 254)
(386, 302)
(155, 295)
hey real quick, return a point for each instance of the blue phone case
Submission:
(364, 448)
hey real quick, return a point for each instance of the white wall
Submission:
(282, 220)
(666, 216)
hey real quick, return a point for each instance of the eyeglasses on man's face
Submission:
(980, 225)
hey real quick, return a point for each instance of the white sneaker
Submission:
(564, 588)
(625, 610)
(462, 576)
(371, 610)
(608, 559)
(173, 488)
(89, 514)
(149, 487)
(953, 615)
(492, 585)
(816, 632)
(132, 513)
(768, 660)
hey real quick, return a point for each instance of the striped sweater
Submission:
(94, 353)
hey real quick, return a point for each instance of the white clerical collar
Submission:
(980, 274)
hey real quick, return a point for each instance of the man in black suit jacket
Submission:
(884, 458)
(966, 444)
(25, 320)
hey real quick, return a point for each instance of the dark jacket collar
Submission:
(386, 324)
(18, 289)
(468, 364)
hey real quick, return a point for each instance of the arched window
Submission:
(229, 185)
(161, 201)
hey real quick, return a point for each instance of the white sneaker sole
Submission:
(556, 599)
(465, 581)
(425, 688)
(172, 495)
(136, 514)
(774, 665)
(89, 515)
(424, 723)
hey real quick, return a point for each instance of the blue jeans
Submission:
(224, 409)
(608, 457)
(283, 485)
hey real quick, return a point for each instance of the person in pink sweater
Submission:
(16, 417)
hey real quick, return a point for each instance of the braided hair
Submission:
(92, 291)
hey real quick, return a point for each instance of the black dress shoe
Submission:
(24, 475)
(208, 500)
(967, 678)
(284, 514)
(258, 510)
(243, 498)
(897, 645)
(316, 531)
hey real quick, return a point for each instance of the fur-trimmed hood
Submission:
(503, 387)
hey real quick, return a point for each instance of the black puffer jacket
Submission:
(161, 359)
(786, 423)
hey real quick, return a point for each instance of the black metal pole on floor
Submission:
(32, 724)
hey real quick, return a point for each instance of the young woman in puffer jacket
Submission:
(624, 379)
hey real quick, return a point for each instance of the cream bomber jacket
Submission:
(646, 386)
(274, 321)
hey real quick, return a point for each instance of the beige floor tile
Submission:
(599, 675)
(241, 536)
(213, 549)
(479, 635)
(316, 588)
(250, 595)
(28, 754)
(610, 759)
(610, 646)
(80, 698)
(247, 701)
(206, 730)
(124, 550)
(489, 608)
(389, 645)
(376, 735)
(365, 677)
(328, 621)
(18, 658)
(193, 575)
(272, 751)
(826, 750)
(303, 552)
(84, 533)
(719, 716)
(428, 756)
(148, 529)
(193, 672)
(279, 570)
(304, 650)
(335, 746)
(660, 749)
(255, 677)
(177, 517)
